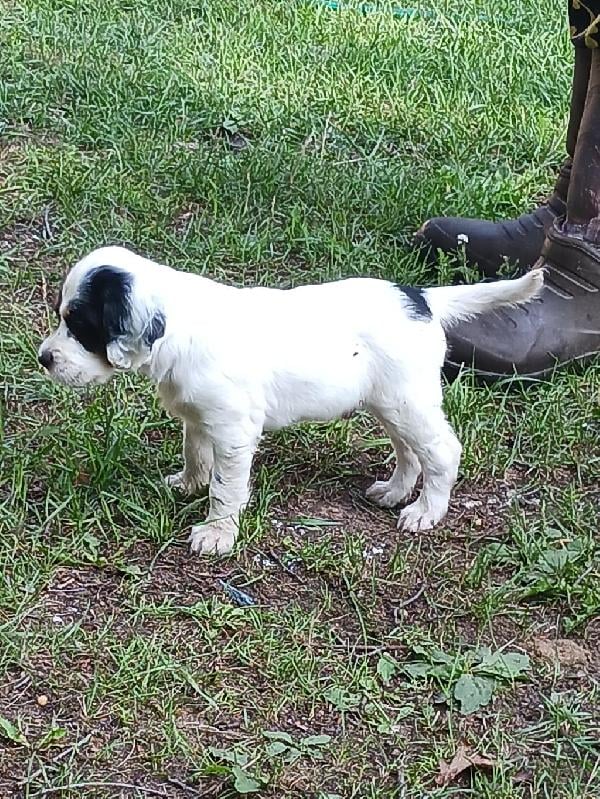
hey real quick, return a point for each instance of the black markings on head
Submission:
(100, 312)
(155, 330)
(416, 305)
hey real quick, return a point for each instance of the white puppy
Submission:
(233, 362)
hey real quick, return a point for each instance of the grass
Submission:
(281, 143)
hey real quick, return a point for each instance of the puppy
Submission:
(232, 363)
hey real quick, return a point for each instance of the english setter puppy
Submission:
(234, 362)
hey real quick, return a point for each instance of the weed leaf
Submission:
(54, 735)
(8, 730)
(228, 755)
(316, 740)
(386, 668)
(276, 735)
(341, 699)
(244, 783)
(504, 665)
(473, 692)
(276, 748)
(416, 670)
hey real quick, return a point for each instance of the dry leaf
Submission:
(523, 777)
(82, 478)
(462, 760)
(561, 651)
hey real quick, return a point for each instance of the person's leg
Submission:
(583, 203)
(488, 245)
(563, 325)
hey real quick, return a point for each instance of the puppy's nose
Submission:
(46, 358)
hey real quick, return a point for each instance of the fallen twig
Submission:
(287, 569)
(75, 786)
(405, 603)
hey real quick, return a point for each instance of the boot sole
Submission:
(453, 370)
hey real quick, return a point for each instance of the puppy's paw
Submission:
(388, 493)
(182, 482)
(419, 516)
(213, 538)
(177, 481)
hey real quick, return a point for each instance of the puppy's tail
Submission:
(451, 304)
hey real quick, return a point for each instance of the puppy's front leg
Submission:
(197, 459)
(228, 494)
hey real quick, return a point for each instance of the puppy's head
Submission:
(107, 319)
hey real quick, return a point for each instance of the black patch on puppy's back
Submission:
(100, 312)
(417, 306)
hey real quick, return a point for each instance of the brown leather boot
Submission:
(563, 324)
(489, 245)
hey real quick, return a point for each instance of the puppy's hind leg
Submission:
(438, 450)
(388, 493)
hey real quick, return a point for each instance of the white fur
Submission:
(233, 363)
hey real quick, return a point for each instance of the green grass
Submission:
(124, 122)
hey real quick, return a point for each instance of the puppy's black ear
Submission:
(101, 311)
(131, 324)
(112, 291)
